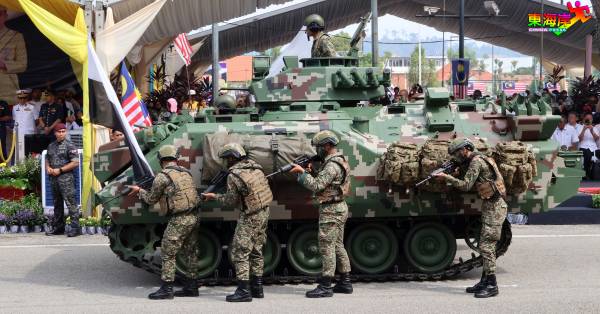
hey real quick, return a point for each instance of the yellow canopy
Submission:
(63, 9)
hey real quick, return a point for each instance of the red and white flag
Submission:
(182, 45)
(512, 87)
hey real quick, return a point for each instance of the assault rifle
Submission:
(145, 183)
(447, 167)
(216, 182)
(301, 161)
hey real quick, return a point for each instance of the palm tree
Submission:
(513, 64)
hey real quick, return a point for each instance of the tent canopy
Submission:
(270, 30)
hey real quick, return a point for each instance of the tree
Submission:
(365, 59)
(513, 64)
(481, 67)
(428, 69)
(341, 41)
(273, 52)
(469, 54)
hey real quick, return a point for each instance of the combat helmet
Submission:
(314, 22)
(325, 137)
(225, 102)
(232, 150)
(459, 143)
(168, 151)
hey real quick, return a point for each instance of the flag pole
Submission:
(187, 76)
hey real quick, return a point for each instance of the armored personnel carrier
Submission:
(395, 231)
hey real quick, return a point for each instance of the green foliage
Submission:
(596, 200)
(25, 175)
(366, 59)
(273, 52)
(341, 42)
(106, 221)
(469, 54)
(92, 222)
(584, 87)
(428, 71)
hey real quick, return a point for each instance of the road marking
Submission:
(525, 236)
(50, 245)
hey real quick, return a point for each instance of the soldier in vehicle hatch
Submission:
(483, 173)
(322, 46)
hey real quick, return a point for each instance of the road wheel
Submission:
(430, 247)
(372, 248)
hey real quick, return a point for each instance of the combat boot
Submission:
(190, 289)
(55, 231)
(490, 289)
(323, 290)
(256, 287)
(478, 286)
(343, 285)
(164, 292)
(74, 232)
(241, 294)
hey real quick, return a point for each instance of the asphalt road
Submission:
(548, 269)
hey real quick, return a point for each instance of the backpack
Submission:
(517, 165)
(433, 154)
(399, 165)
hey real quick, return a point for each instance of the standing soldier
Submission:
(331, 185)
(483, 173)
(176, 184)
(61, 159)
(322, 46)
(51, 113)
(248, 189)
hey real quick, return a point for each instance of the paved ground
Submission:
(548, 269)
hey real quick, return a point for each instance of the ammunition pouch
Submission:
(256, 191)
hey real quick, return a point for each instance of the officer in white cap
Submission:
(24, 114)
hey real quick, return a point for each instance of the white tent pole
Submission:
(420, 82)
(215, 54)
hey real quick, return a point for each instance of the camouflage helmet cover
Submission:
(225, 101)
(232, 149)
(168, 151)
(325, 137)
(314, 21)
(459, 143)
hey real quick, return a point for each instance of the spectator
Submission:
(587, 143)
(36, 99)
(590, 105)
(191, 104)
(477, 94)
(572, 124)
(70, 101)
(72, 122)
(116, 135)
(79, 117)
(397, 96)
(5, 119)
(566, 137)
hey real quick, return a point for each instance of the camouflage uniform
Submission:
(63, 186)
(322, 47)
(251, 230)
(493, 211)
(181, 234)
(332, 216)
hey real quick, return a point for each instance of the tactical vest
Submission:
(339, 188)
(256, 193)
(489, 188)
(183, 196)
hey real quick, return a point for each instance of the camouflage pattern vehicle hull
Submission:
(393, 233)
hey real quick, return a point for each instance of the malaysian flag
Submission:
(134, 108)
(459, 91)
(512, 87)
(476, 85)
(183, 48)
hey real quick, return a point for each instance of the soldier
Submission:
(483, 173)
(176, 184)
(248, 189)
(322, 46)
(5, 119)
(51, 113)
(331, 185)
(62, 158)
